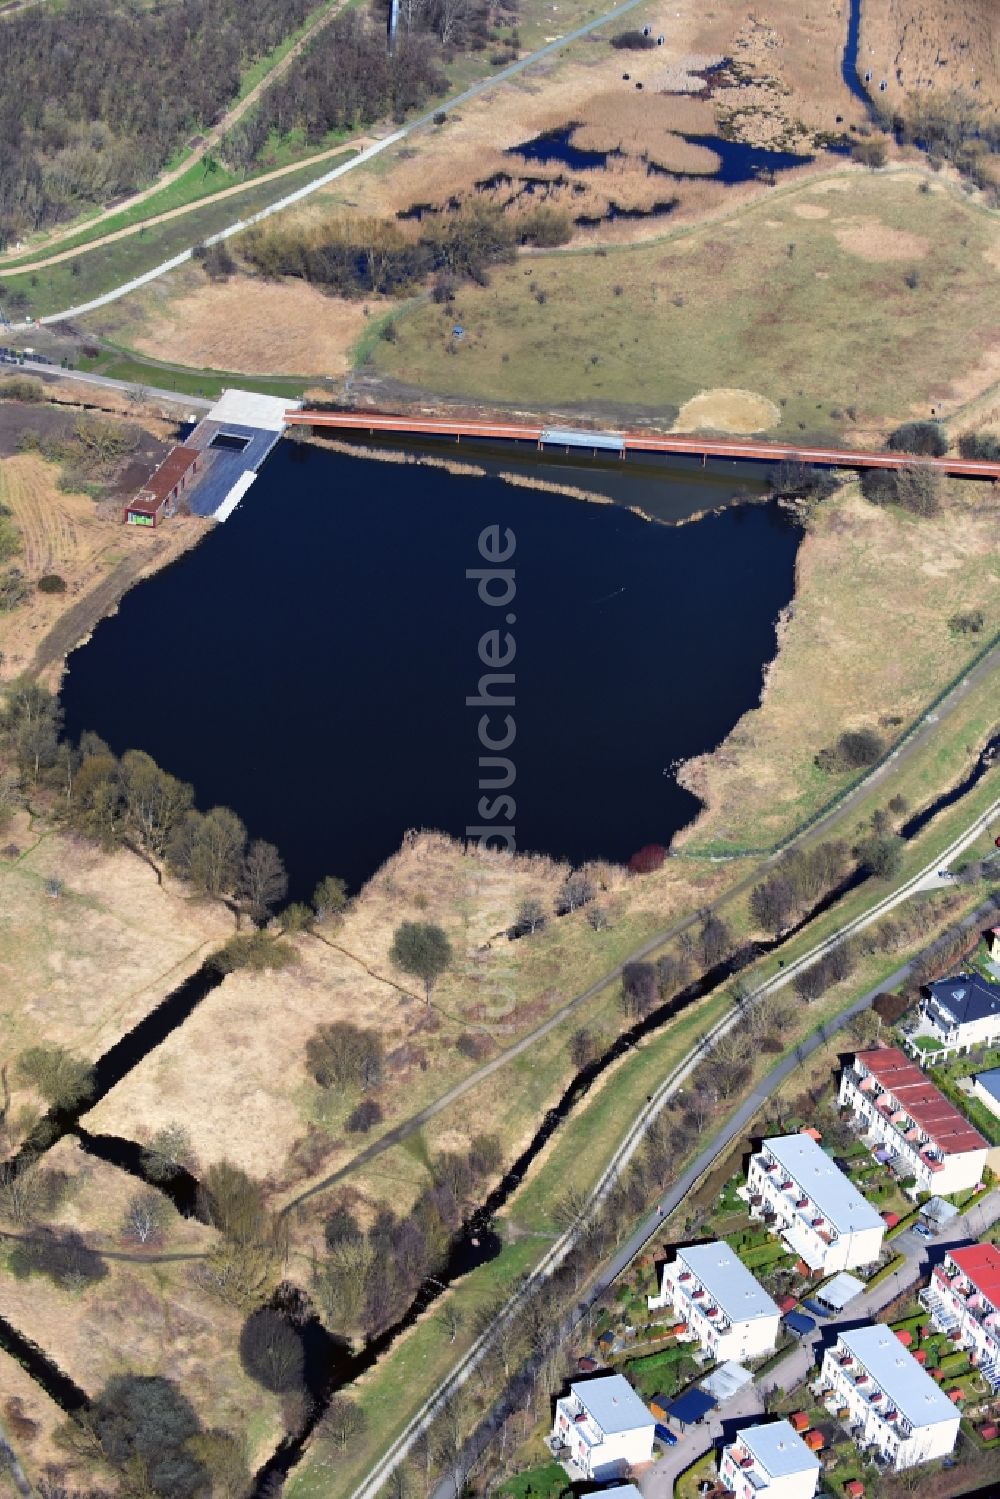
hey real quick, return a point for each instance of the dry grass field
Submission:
(146, 1316)
(801, 298)
(236, 1074)
(22, 1401)
(864, 575)
(244, 325)
(87, 545)
(938, 44)
(83, 967)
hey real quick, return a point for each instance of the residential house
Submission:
(771, 1459)
(820, 1214)
(911, 1124)
(727, 1311)
(886, 1400)
(963, 1299)
(986, 1087)
(962, 1012)
(604, 1427)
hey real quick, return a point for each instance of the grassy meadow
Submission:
(802, 296)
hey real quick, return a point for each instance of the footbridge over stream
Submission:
(622, 443)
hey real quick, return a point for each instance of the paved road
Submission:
(56, 372)
(658, 1482)
(420, 123)
(678, 1191)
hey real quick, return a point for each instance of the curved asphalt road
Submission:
(419, 123)
(673, 1198)
(667, 1090)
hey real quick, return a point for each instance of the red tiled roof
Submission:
(800, 1421)
(949, 1130)
(904, 1337)
(787, 1304)
(890, 1219)
(812, 1132)
(813, 1440)
(920, 1354)
(981, 1263)
(855, 1488)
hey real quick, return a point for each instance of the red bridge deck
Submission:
(637, 442)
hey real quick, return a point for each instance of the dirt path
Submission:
(211, 140)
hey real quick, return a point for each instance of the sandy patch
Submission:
(725, 410)
(870, 240)
(811, 211)
(249, 325)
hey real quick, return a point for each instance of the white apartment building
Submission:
(911, 1121)
(772, 1460)
(964, 1296)
(819, 1213)
(886, 1399)
(605, 1427)
(961, 1012)
(727, 1311)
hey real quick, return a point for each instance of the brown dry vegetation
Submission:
(142, 1317)
(82, 968)
(86, 545)
(939, 44)
(864, 575)
(35, 1449)
(236, 1072)
(247, 326)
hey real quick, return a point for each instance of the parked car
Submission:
(922, 1230)
(665, 1435)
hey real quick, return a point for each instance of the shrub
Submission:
(272, 1352)
(647, 859)
(969, 623)
(233, 1202)
(255, 951)
(21, 388)
(633, 41)
(345, 1055)
(341, 1228)
(981, 445)
(871, 152)
(854, 750)
(62, 1079)
(363, 1118)
(476, 1048)
(51, 583)
(927, 439)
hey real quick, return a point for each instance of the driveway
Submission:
(658, 1481)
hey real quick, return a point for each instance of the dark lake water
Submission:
(308, 664)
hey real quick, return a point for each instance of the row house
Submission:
(919, 1131)
(604, 1426)
(771, 1460)
(726, 1310)
(963, 1298)
(820, 1214)
(887, 1401)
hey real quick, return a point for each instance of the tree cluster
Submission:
(367, 1280)
(363, 256)
(982, 445)
(927, 439)
(60, 1254)
(105, 94)
(802, 878)
(832, 968)
(912, 488)
(346, 78)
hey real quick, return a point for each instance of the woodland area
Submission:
(98, 95)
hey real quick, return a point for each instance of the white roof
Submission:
(728, 1281)
(908, 1386)
(778, 1449)
(246, 408)
(612, 1403)
(837, 1198)
(726, 1381)
(840, 1290)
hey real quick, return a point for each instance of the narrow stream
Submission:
(331, 1364)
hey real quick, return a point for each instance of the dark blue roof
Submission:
(800, 1323)
(692, 1406)
(966, 998)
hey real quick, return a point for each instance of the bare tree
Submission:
(263, 880)
(145, 1217)
(342, 1421)
(530, 916)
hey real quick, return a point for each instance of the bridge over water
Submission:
(581, 439)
